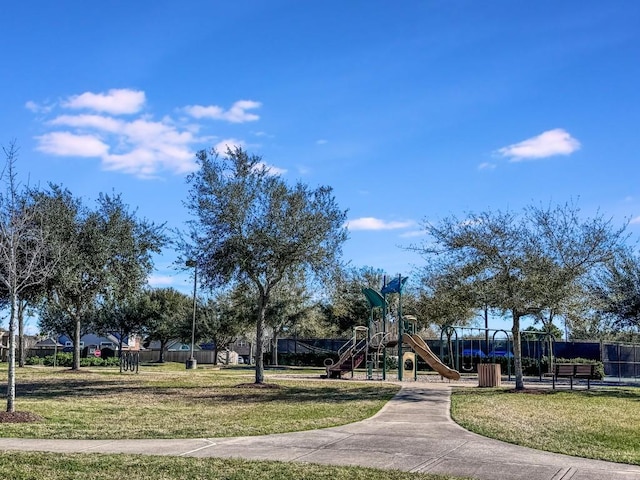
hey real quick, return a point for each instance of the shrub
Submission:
(306, 359)
(61, 360)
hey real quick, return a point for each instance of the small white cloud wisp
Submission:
(117, 101)
(236, 114)
(547, 144)
(372, 223)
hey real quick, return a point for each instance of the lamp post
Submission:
(191, 363)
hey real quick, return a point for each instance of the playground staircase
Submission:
(351, 355)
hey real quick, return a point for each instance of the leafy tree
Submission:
(169, 309)
(221, 321)
(444, 297)
(252, 227)
(290, 306)
(533, 261)
(24, 254)
(554, 331)
(346, 305)
(107, 258)
(127, 316)
(617, 291)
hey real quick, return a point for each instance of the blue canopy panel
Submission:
(395, 286)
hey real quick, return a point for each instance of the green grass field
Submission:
(169, 402)
(599, 423)
(39, 466)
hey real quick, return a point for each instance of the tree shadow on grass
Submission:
(625, 393)
(75, 388)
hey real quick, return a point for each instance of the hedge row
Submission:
(66, 360)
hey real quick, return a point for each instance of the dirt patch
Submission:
(19, 417)
(257, 385)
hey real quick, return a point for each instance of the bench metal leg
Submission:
(571, 382)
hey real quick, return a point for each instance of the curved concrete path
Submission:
(413, 432)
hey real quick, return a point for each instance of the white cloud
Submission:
(67, 144)
(115, 101)
(413, 234)
(140, 147)
(138, 144)
(486, 166)
(272, 169)
(547, 144)
(322, 141)
(371, 223)
(160, 280)
(37, 108)
(635, 221)
(98, 122)
(228, 143)
(236, 114)
(233, 143)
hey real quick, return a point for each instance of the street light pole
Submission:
(191, 363)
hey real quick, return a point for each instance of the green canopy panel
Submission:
(373, 297)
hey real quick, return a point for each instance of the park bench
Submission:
(575, 370)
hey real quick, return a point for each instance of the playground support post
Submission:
(384, 328)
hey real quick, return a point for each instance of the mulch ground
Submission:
(19, 417)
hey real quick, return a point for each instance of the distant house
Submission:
(89, 343)
(173, 346)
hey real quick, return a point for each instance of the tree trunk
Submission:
(274, 348)
(76, 346)
(259, 334)
(11, 380)
(517, 351)
(21, 352)
(215, 352)
(163, 344)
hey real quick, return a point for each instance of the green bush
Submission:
(305, 359)
(66, 360)
(61, 360)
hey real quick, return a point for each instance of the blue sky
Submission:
(410, 110)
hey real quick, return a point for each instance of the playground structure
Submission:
(369, 344)
(462, 348)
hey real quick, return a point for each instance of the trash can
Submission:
(191, 364)
(489, 375)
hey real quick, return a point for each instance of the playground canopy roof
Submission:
(395, 286)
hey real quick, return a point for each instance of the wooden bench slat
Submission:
(575, 370)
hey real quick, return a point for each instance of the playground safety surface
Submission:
(413, 432)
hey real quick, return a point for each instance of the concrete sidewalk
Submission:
(413, 432)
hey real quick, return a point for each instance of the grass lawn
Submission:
(171, 402)
(599, 423)
(39, 466)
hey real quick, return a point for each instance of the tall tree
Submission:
(252, 227)
(290, 306)
(346, 306)
(108, 257)
(125, 317)
(170, 310)
(221, 320)
(25, 255)
(617, 291)
(533, 261)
